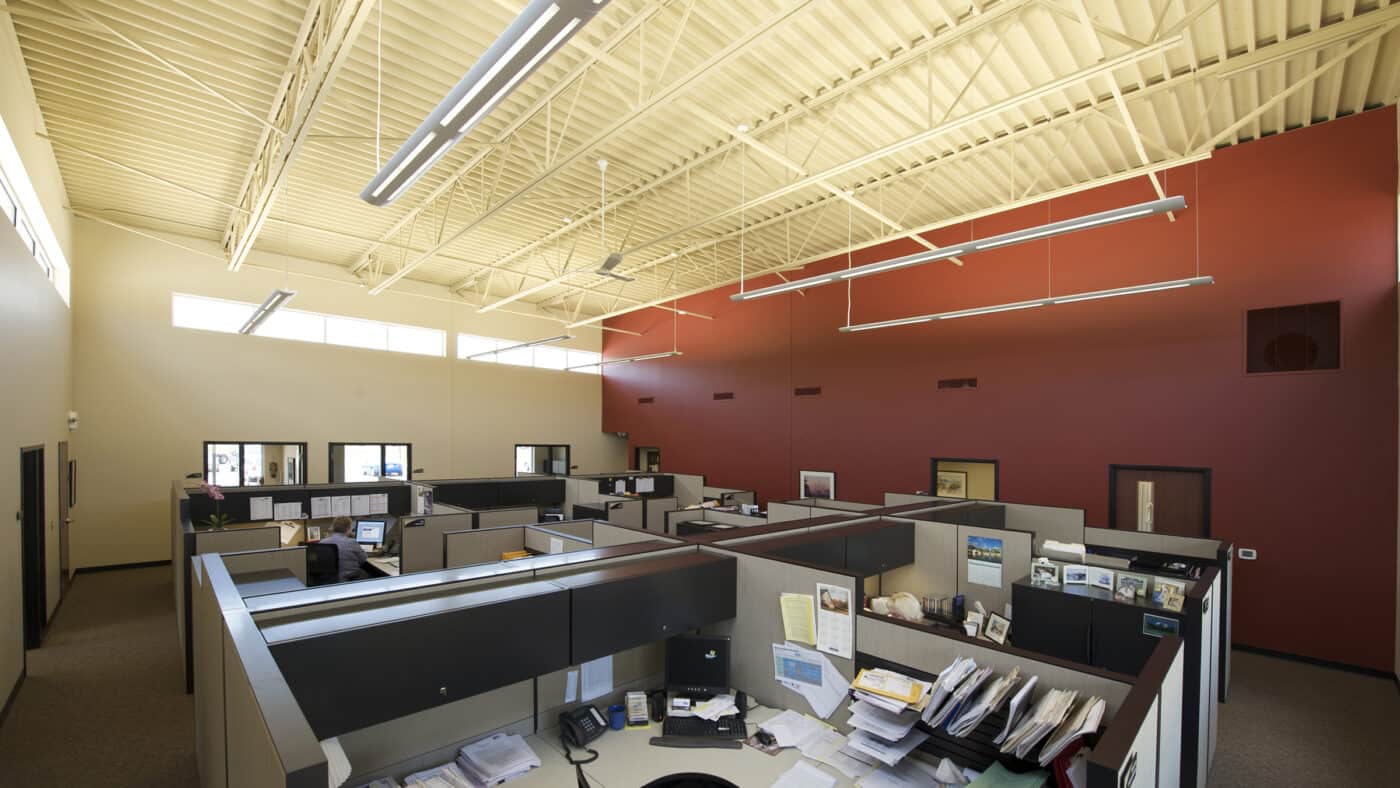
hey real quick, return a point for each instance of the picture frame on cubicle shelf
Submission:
(1100, 578)
(1159, 626)
(997, 628)
(1130, 587)
(951, 484)
(1169, 594)
(1076, 575)
(313, 533)
(972, 623)
(817, 484)
(1046, 575)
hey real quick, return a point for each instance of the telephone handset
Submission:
(577, 728)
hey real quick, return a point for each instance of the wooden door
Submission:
(1179, 499)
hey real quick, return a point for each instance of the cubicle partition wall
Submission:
(673, 521)
(689, 489)
(487, 545)
(542, 492)
(728, 496)
(421, 539)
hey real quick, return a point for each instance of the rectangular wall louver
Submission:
(645, 400)
(958, 383)
(807, 391)
(724, 395)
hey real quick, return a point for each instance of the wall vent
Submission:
(958, 383)
(807, 391)
(1294, 338)
(724, 395)
(645, 400)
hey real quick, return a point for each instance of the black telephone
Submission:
(581, 725)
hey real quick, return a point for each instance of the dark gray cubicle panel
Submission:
(1051, 622)
(352, 670)
(875, 550)
(662, 597)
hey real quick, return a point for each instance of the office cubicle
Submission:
(807, 508)
(728, 496)
(688, 522)
(486, 545)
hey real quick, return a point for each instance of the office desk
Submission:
(626, 759)
(267, 581)
(387, 565)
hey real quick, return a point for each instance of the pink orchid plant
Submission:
(218, 519)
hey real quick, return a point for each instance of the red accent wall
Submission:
(1304, 465)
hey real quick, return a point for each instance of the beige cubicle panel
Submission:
(640, 669)
(1015, 565)
(758, 624)
(237, 540)
(468, 548)
(606, 535)
(579, 528)
(779, 512)
(517, 515)
(689, 489)
(550, 542)
(292, 559)
(1045, 522)
(934, 571)
(624, 511)
(1153, 542)
(656, 509)
(421, 546)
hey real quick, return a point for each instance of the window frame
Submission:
(383, 455)
(243, 460)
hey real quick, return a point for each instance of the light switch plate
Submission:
(1248, 554)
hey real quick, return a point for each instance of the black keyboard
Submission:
(731, 727)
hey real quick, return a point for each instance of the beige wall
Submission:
(981, 477)
(35, 357)
(150, 394)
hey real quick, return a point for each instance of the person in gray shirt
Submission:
(352, 556)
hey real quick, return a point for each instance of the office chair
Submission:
(322, 564)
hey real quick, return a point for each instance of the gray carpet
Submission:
(105, 690)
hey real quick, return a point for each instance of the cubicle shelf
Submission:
(981, 515)
(352, 670)
(684, 593)
(862, 549)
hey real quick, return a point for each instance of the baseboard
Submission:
(110, 567)
(1322, 663)
(14, 693)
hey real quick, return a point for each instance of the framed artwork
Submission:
(817, 484)
(997, 628)
(952, 484)
(1159, 626)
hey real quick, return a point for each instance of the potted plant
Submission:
(218, 519)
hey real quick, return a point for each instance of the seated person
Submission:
(352, 556)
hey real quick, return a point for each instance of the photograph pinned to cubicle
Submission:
(817, 484)
(984, 561)
(952, 484)
(1159, 626)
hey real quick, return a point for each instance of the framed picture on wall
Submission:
(952, 484)
(817, 484)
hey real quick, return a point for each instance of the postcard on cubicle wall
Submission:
(984, 561)
(834, 620)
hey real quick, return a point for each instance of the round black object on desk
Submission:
(690, 780)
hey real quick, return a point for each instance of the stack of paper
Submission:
(960, 697)
(496, 759)
(914, 773)
(1019, 704)
(805, 775)
(1084, 720)
(716, 707)
(948, 681)
(887, 752)
(383, 782)
(1052, 709)
(851, 762)
(337, 765)
(446, 776)
(882, 722)
(989, 701)
(889, 684)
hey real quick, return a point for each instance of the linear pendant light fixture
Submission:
(630, 359)
(1126, 213)
(1049, 301)
(531, 343)
(274, 302)
(540, 29)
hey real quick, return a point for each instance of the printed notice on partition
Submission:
(984, 561)
(260, 508)
(799, 625)
(834, 620)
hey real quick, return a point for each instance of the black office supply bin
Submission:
(624, 606)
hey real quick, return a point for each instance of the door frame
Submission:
(66, 466)
(637, 455)
(1114, 468)
(933, 473)
(33, 552)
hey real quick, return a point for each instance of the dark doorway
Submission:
(964, 477)
(66, 470)
(1160, 499)
(36, 603)
(648, 459)
(535, 459)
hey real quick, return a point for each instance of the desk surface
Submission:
(267, 581)
(388, 564)
(626, 759)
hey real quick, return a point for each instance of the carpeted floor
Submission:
(105, 691)
(104, 703)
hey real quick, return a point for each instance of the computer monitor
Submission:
(697, 664)
(369, 532)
